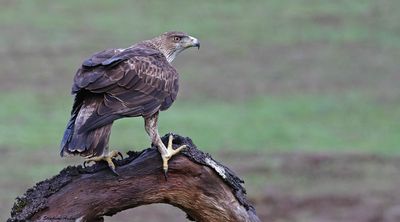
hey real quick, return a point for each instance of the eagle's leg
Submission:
(105, 157)
(166, 152)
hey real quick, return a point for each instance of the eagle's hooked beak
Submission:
(194, 42)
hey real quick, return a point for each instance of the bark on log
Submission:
(197, 184)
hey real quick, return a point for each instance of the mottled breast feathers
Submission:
(137, 81)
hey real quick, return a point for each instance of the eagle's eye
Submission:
(177, 38)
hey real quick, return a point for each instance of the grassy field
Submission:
(298, 122)
(271, 76)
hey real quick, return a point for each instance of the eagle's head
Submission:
(172, 43)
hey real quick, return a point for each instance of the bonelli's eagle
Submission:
(117, 83)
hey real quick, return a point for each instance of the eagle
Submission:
(124, 82)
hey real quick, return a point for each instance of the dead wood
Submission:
(197, 184)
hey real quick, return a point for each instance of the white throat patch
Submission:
(172, 56)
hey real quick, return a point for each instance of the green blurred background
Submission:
(275, 83)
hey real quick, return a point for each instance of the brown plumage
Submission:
(118, 83)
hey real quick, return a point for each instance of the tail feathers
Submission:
(69, 132)
(84, 142)
(87, 143)
(78, 143)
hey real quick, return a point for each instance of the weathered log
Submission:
(197, 184)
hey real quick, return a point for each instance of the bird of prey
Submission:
(124, 82)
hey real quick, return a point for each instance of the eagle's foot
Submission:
(169, 152)
(108, 158)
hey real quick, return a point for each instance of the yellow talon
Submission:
(169, 153)
(108, 158)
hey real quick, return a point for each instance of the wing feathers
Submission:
(98, 58)
(134, 82)
(126, 80)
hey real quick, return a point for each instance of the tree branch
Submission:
(197, 184)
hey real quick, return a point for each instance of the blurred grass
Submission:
(309, 75)
(283, 21)
(303, 122)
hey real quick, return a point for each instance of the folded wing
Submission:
(132, 82)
